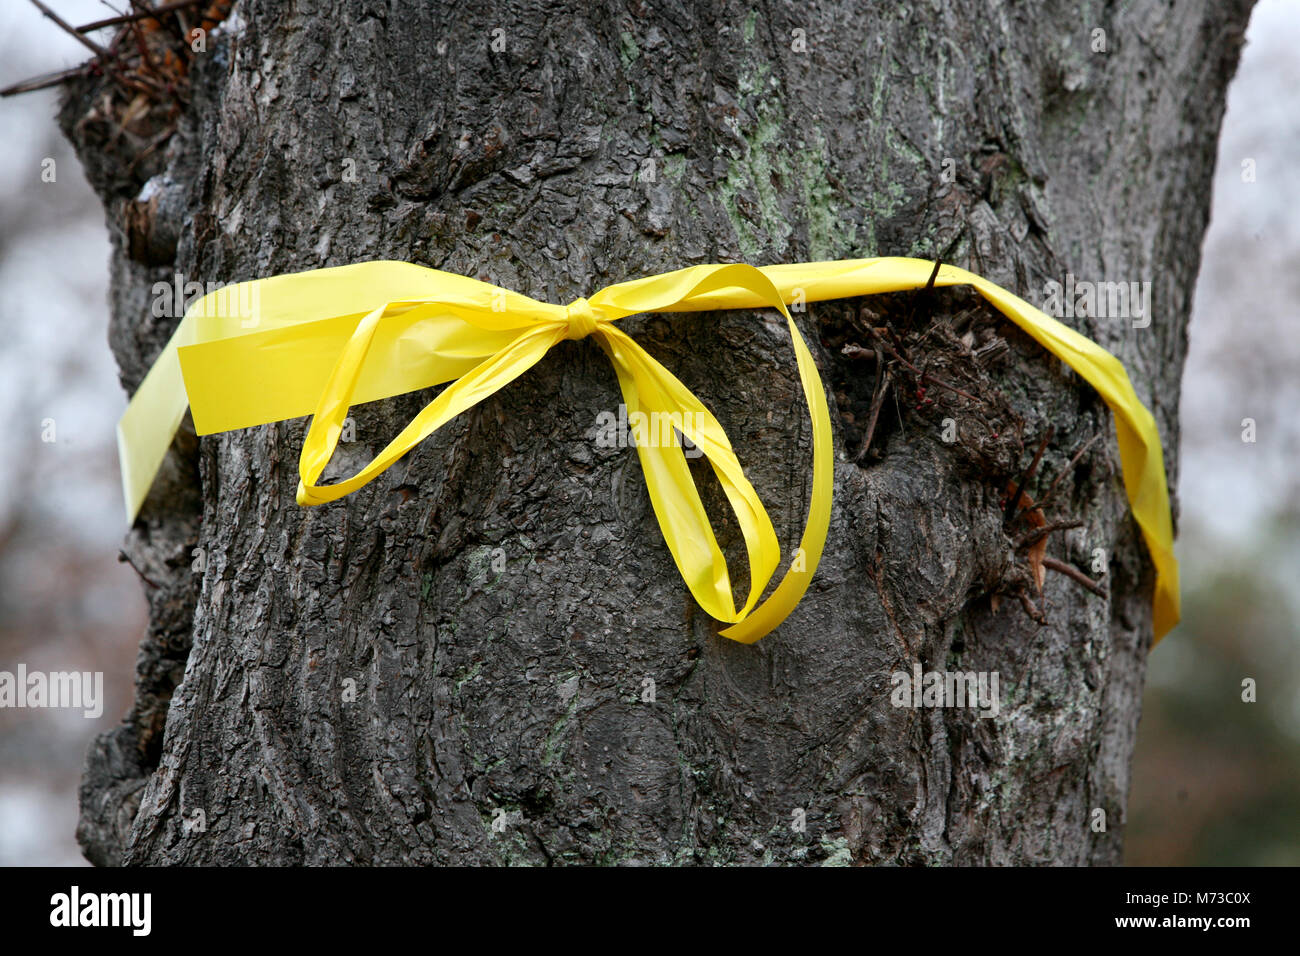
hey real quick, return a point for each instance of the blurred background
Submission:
(1215, 780)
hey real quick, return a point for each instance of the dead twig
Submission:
(1013, 503)
(1031, 609)
(125, 558)
(1075, 575)
(42, 81)
(929, 286)
(926, 376)
(140, 14)
(69, 29)
(1034, 535)
(922, 296)
(877, 400)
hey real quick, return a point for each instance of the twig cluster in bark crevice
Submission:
(926, 362)
(139, 81)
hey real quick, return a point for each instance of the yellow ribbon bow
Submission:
(318, 342)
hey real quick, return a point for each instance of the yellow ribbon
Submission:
(318, 342)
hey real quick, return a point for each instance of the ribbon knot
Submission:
(581, 319)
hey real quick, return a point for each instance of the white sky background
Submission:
(67, 602)
(54, 359)
(1244, 357)
(55, 363)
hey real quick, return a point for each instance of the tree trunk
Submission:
(533, 682)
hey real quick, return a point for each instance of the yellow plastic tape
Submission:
(317, 342)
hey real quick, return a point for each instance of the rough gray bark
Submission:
(518, 694)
